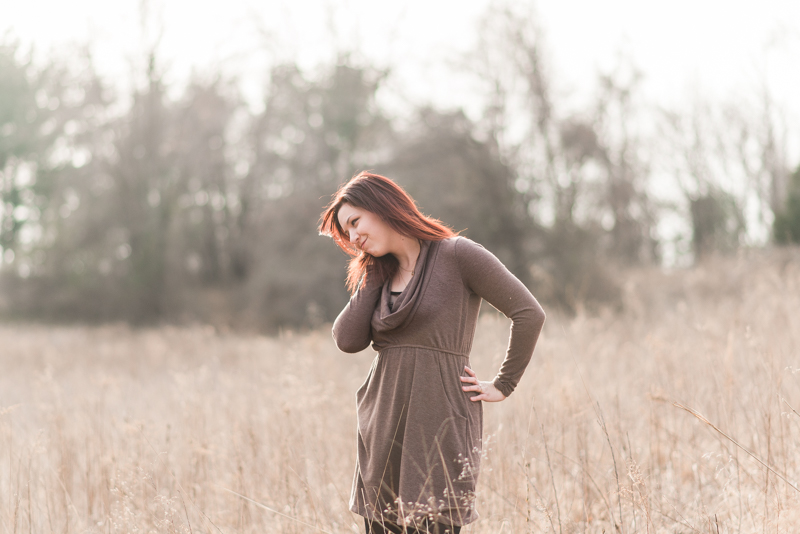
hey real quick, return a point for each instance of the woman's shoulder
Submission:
(454, 240)
(449, 245)
(461, 248)
(460, 244)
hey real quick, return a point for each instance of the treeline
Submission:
(148, 207)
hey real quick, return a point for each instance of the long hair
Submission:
(387, 200)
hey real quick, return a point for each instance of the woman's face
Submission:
(367, 231)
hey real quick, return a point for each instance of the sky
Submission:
(717, 51)
(714, 48)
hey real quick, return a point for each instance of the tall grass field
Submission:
(678, 414)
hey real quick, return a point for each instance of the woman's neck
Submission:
(407, 253)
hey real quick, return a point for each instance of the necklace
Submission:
(406, 270)
(413, 269)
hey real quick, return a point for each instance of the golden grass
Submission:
(117, 430)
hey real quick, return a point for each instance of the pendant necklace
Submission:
(412, 271)
(406, 270)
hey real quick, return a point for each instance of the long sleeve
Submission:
(487, 277)
(351, 329)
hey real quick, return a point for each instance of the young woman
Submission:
(416, 291)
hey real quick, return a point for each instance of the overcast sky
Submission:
(717, 48)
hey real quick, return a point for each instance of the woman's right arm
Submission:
(352, 330)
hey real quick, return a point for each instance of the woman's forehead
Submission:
(345, 211)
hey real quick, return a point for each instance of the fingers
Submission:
(472, 378)
(471, 383)
(475, 385)
(486, 392)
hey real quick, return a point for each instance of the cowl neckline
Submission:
(407, 302)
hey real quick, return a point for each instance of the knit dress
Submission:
(419, 435)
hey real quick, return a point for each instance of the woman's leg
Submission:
(373, 527)
(438, 528)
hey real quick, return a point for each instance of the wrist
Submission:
(502, 387)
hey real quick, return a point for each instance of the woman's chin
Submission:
(372, 251)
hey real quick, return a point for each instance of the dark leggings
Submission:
(373, 527)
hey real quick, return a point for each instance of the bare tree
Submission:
(698, 154)
(622, 152)
(759, 135)
(583, 175)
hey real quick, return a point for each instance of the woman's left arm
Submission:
(487, 277)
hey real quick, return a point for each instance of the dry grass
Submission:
(115, 430)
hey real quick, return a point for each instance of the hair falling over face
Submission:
(383, 197)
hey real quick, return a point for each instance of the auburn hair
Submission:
(381, 196)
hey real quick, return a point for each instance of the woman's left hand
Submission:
(487, 391)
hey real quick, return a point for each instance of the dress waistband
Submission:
(435, 349)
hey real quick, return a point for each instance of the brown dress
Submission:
(419, 435)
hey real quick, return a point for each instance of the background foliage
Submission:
(184, 204)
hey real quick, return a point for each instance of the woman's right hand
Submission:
(486, 390)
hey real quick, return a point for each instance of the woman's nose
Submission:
(353, 236)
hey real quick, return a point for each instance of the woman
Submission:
(416, 291)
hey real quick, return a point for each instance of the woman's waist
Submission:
(390, 348)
